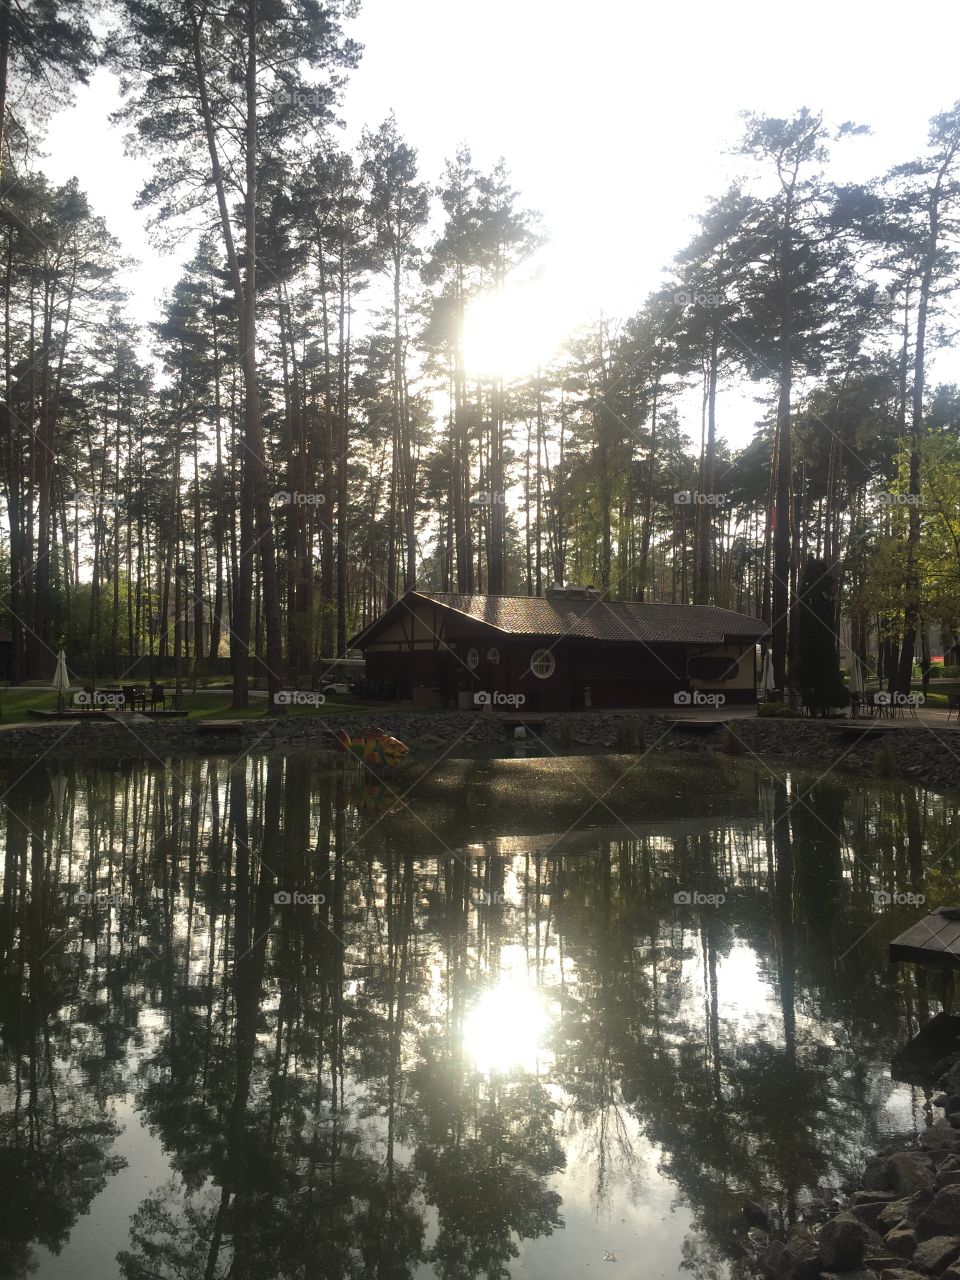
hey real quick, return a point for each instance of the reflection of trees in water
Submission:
(308, 1081)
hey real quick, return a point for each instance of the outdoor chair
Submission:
(953, 700)
(131, 696)
(158, 697)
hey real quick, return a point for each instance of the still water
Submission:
(505, 1018)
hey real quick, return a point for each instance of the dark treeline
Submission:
(299, 436)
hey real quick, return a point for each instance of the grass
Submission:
(17, 703)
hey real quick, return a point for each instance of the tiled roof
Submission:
(590, 617)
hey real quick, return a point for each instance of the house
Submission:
(568, 649)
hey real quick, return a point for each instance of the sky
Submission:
(617, 120)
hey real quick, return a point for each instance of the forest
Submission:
(301, 436)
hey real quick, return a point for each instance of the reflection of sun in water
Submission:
(504, 1030)
(513, 331)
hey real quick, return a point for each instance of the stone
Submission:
(901, 1273)
(841, 1243)
(902, 1241)
(859, 1274)
(771, 1261)
(871, 1197)
(801, 1259)
(910, 1171)
(868, 1211)
(934, 1255)
(899, 1211)
(940, 1138)
(948, 1178)
(942, 1216)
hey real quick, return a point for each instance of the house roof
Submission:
(588, 616)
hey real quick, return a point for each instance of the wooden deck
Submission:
(219, 726)
(934, 940)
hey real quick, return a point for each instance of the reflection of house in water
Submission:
(568, 649)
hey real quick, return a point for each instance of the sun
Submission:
(505, 1028)
(512, 332)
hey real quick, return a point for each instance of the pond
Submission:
(495, 1018)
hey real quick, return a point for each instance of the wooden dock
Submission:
(696, 725)
(934, 941)
(219, 726)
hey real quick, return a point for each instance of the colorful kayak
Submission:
(376, 748)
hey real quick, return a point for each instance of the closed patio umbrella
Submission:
(856, 675)
(767, 682)
(61, 681)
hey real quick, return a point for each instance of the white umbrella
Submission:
(856, 675)
(61, 681)
(767, 681)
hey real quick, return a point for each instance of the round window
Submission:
(473, 658)
(493, 655)
(543, 664)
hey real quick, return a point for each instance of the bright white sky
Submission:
(615, 118)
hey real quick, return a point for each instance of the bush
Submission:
(776, 711)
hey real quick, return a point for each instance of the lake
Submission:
(494, 1018)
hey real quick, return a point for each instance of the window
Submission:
(473, 658)
(543, 664)
(493, 655)
(705, 667)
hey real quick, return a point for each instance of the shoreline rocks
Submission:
(913, 754)
(902, 1223)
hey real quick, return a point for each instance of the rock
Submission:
(908, 1209)
(801, 1260)
(868, 1211)
(875, 1174)
(900, 1211)
(871, 1197)
(940, 1138)
(950, 1178)
(755, 1214)
(952, 1273)
(900, 1273)
(942, 1216)
(859, 1274)
(902, 1241)
(841, 1243)
(910, 1171)
(771, 1261)
(935, 1254)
